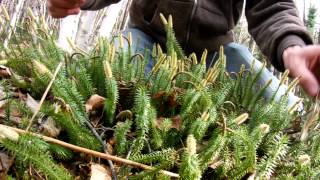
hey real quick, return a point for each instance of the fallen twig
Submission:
(44, 96)
(93, 153)
(104, 146)
(87, 123)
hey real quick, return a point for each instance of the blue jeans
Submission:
(236, 56)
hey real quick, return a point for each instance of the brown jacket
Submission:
(201, 24)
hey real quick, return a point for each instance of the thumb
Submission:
(73, 11)
(81, 2)
(308, 81)
(311, 51)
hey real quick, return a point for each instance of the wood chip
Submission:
(32, 103)
(4, 72)
(94, 103)
(98, 172)
(5, 164)
(50, 128)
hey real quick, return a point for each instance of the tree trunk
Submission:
(68, 30)
(13, 20)
(85, 28)
(252, 45)
(304, 12)
(109, 22)
(319, 36)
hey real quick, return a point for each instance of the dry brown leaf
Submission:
(5, 164)
(3, 103)
(176, 122)
(4, 72)
(109, 148)
(32, 103)
(215, 165)
(16, 119)
(50, 128)
(311, 119)
(159, 95)
(95, 102)
(112, 141)
(99, 172)
(124, 115)
(173, 100)
(21, 96)
(159, 122)
(15, 115)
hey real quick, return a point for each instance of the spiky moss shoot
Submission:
(277, 151)
(156, 138)
(41, 68)
(161, 81)
(259, 133)
(189, 103)
(244, 153)
(112, 97)
(77, 134)
(172, 43)
(112, 93)
(212, 150)
(221, 92)
(190, 165)
(198, 71)
(121, 131)
(166, 156)
(84, 82)
(60, 153)
(160, 133)
(142, 109)
(107, 70)
(200, 126)
(164, 159)
(275, 114)
(30, 150)
(67, 90)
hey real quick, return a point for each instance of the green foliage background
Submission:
(180, 117)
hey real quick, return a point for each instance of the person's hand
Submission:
(63, 8)
(304, 62)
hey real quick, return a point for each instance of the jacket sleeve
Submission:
(97, 4)
(275, 26)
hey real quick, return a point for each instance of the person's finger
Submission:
(308, 81)
(61, 13)
(80, 1)
(75, 1)
(311, 51)
(63, 4)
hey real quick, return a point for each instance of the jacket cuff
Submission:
(87, 5)
(288, 41)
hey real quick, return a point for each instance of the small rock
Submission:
(50, 128)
